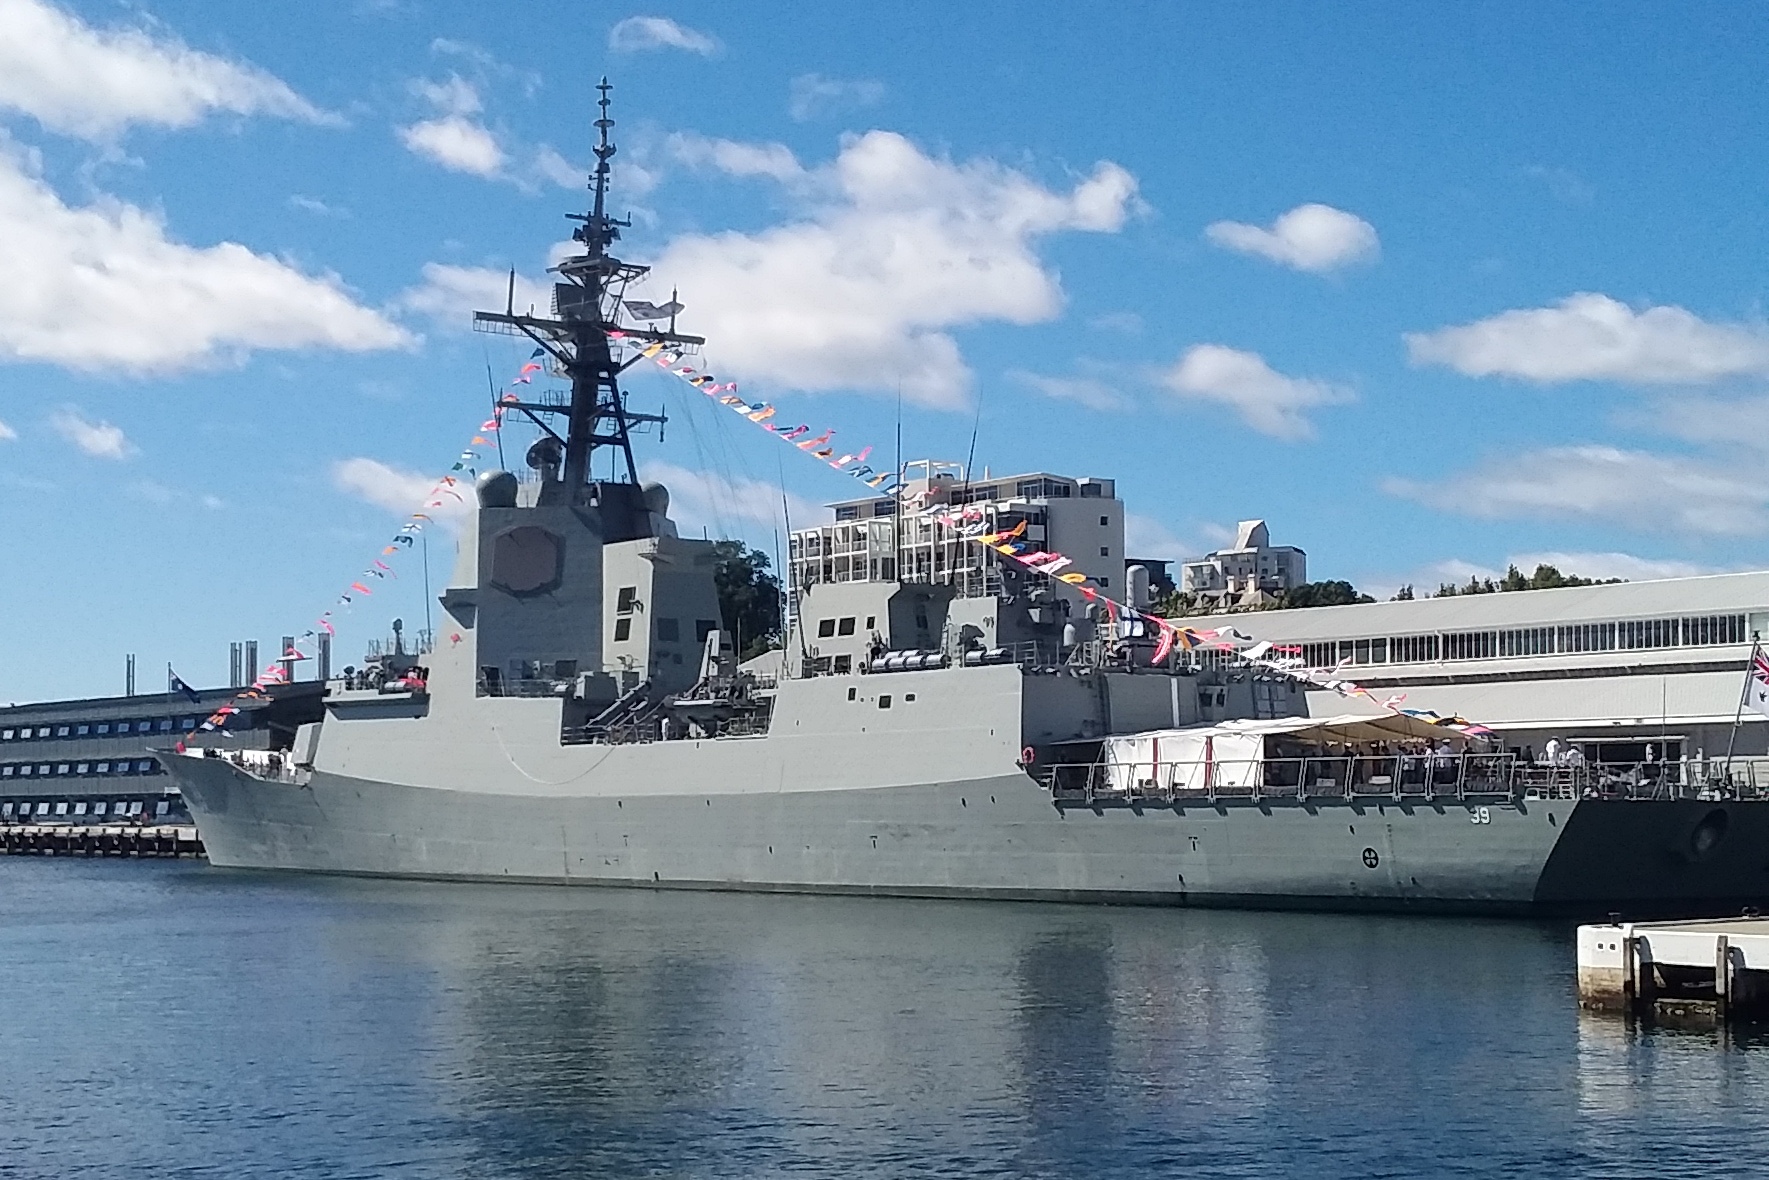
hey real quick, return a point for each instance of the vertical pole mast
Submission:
(1750, 671)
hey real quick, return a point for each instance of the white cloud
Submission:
(1266, 400)
(556, 168)
(1314, 238)
(1632, 488)
(455, 139)
(725, 504)
(93, 83)
(451, 294)
(1146, 537)
(1611, 565)
(893, 248)
(1722, 422)
(1126, 322)
(735, 158)
(636, 34)
(1090, 392)
(456, 143)
(99, 439)
(103, 288)
(1591, 337)
(7, 433)
(815, 96)
(399, 491)
(316, 206)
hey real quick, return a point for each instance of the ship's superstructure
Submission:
(938, 722)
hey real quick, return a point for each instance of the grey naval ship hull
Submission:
(1003, 837)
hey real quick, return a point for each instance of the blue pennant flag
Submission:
(175, 683)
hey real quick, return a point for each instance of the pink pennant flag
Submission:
(360, 588)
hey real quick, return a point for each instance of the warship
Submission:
(938, 722)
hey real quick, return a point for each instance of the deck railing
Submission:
(1399, 777)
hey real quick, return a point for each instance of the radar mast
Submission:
(586, 307)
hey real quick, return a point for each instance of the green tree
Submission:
(749, 597)
(1546, 577)
(1323, 594)
(1404, 594)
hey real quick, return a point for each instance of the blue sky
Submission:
(1429, 288)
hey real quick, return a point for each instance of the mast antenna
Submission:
(588, 298)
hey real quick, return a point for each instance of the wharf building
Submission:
(1628, 672)
(950, 585)
(96, 759)
(1251, 573)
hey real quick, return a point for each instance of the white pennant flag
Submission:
(641, 310)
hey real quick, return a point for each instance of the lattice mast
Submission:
(586, 306)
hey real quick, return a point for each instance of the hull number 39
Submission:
(1480, 815)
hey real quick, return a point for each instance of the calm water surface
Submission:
(171, 1019)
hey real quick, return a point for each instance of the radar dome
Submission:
(497, 489)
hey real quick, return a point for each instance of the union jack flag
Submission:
(1756, 689)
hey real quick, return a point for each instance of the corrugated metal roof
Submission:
(1716, 594)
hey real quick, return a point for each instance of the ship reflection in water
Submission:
(172, 1018)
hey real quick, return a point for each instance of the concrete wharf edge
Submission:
(1699, 972)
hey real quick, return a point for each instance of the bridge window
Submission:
(623, 629)
(825, 628)
(846, 626)
(629, 597)
(884, 700)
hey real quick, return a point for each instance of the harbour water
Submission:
(170, 1018)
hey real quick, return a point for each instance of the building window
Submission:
(1105, 551)
(884, 700)
(703, 628)
(62, 731)
(145, 766)
(908, 696)
(103, 768)
(6, 772)
(871, 622)
(43, 732)
(104, 727)
(846, 626)
(852, 693)
(848, 512)
(825, 628)
(5, 735)
(82, 730)
(83, 768)
(669, 630)
(1104, 521)
(627, 599)
(623, 629)
(843, 665)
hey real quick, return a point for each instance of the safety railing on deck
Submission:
(1399, 777)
